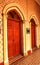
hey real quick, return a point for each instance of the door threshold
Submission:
(14, 59)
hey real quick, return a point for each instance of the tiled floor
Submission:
(32, 59)
(15, 59)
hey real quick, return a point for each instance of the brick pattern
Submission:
(1, 42)
(32, 59)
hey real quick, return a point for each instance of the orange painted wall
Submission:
(33, 9)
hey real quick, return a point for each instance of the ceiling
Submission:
(38, 1)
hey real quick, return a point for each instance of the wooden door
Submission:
(33, 34)
(14, 45)
(10, 38)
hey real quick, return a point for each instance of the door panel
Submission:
(10, 37)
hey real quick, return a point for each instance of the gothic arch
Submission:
(37, 26)
(5, 11)
(13, 6)
(35, 19)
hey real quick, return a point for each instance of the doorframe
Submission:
(5, 10)
(34, 17)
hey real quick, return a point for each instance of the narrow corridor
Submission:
(32, 59)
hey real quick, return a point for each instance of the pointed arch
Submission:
(13, 6)
(7, 8)
(34, 17)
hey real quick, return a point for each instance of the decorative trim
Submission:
(11, 6)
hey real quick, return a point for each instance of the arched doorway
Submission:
(15, 33)
(33, 33)
(6, 9)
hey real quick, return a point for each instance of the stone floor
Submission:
(32, 59)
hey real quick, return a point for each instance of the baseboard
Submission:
(29, 52)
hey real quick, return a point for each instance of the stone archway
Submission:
(37, 27)
(6, 9)
(33, 34)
